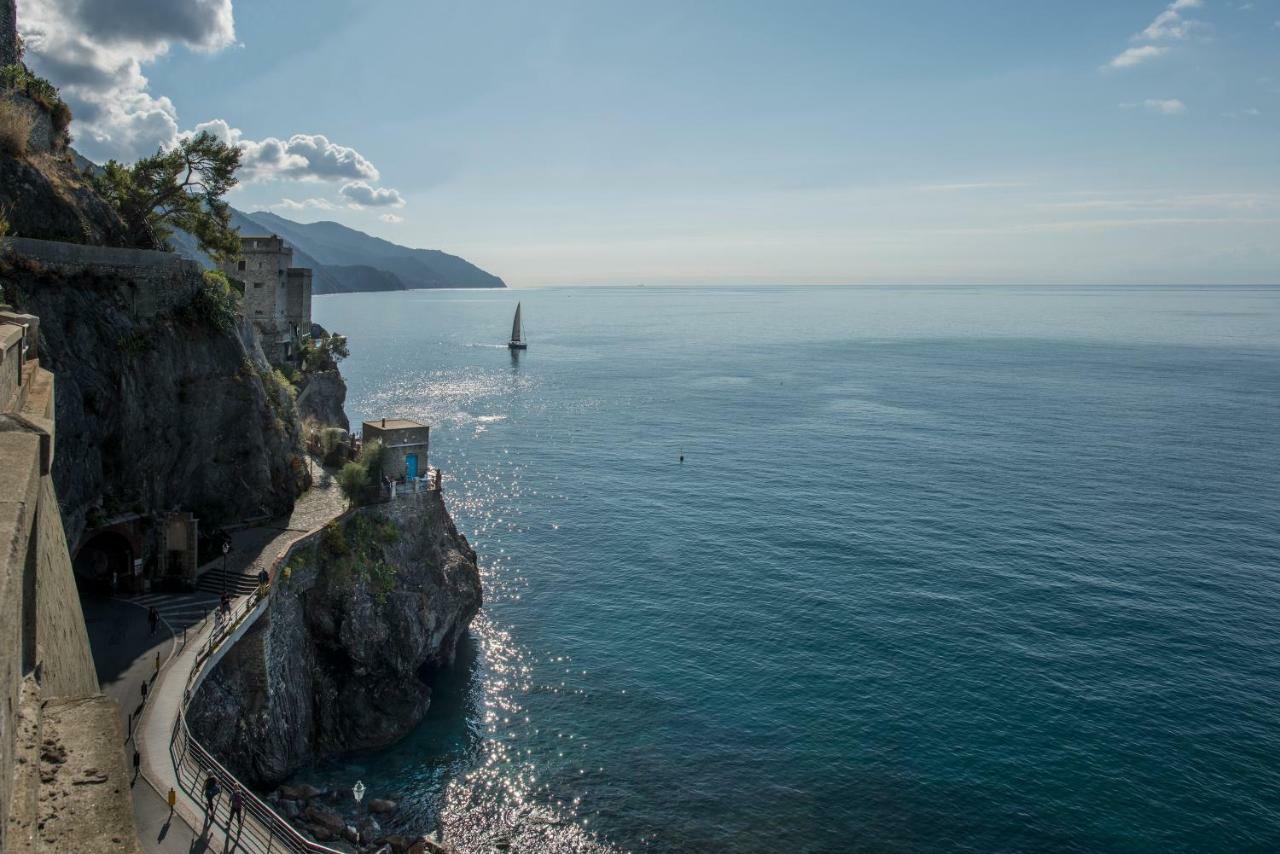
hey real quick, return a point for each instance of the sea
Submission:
(811, 569)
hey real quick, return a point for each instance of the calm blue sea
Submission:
(944, 569)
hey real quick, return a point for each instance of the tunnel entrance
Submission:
(101, 556)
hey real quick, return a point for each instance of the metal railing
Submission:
(268, 831)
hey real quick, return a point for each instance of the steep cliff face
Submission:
(156, 410)
(342, 660)
(43, 195)
(322, 398)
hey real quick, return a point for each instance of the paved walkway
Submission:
(124, 653)
(125, 656)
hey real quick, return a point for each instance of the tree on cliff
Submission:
(179, 188)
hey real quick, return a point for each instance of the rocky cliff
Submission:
(44, 196)
(156, 409)
(343, 659)
(322, 397)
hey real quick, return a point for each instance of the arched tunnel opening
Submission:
(103, 556)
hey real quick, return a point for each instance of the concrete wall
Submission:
(42, 629)
(62, 639)
(10, 363)
(151, 282)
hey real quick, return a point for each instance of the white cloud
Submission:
(292, 205)
(95, 52)
(1186, 202)
(360, 195)
(301, 157)
(1135, 55)
(975, 185)
(391, 218)
(1170, 25)
(1165, 106)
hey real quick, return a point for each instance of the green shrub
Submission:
(17, 78)
(331, 438)
(214, 304)
(371, 456)
(354, 480)
(284, 383)
(323, 354)
(333, 541)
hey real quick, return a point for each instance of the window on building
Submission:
(258, 311)
(257, 284)
(240, 266)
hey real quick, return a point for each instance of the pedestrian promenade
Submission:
(191, 636)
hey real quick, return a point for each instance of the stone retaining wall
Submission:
(42, 631)
(152, 282)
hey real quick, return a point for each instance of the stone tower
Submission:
(8, 32)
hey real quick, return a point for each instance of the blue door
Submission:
(411, 466)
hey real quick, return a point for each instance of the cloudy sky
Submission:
(620, 142)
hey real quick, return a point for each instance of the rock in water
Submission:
(341, 660)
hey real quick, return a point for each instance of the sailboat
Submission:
(517, 341)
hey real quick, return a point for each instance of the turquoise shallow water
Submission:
(987, 569)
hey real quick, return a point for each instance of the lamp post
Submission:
(226, 548)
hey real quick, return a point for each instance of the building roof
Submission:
(393, 424)
(255, 243)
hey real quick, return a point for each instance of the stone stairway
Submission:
(237, 584)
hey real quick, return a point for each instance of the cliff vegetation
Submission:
(343, 658)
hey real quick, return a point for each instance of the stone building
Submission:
(404, 444)
(8, 32)
(277, 295)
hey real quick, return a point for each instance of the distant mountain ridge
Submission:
(344, 260)
(347, 260)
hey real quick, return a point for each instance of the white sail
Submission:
(515, 326)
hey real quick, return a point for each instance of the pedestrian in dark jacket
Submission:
(153, 618)
(211, 792)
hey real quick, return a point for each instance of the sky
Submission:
(602, 142)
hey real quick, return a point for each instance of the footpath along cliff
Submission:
(341, 660)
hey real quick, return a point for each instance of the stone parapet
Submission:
(151, 282)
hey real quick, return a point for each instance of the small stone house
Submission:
(404, 444)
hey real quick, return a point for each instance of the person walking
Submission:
(237, 807)
(153, 618)
(143, 689)
(173, 800)
(211, 792)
